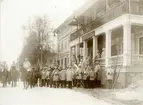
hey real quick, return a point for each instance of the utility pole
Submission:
(41, 48)
(78, 35)
(79, 57)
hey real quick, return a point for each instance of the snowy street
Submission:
(133, 95)
(45, 96)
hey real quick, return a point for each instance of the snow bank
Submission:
(133, 92)
(46, 96)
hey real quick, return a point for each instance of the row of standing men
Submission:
(57, 77)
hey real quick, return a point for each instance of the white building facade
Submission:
(113, 31)
(63, 43)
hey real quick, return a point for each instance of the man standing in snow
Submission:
(74, 76)
(56, 75)
(51, 76)
(98, 72)
(63, 77)
(43, 73)
(69, 77)
(109, 75)
(23, 72)
(4, 76)
(86, 77)
(47, 77)
(27, 66)
(78, 75)
(92, 77)
(14, 76)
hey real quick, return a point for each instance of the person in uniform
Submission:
(43, 76)
(36, 76)
(48, 77)
(14, 76)
(51, 76)
(63, 78)
(78, 76)
(23, 72)
(29, 78)
(92, 76)
(98, 72)
(56, 75)
(69, 77)
(109, 75)
(4, 76)
(27, 66)
(74, 76)
(86, 77)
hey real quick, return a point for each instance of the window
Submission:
(65, 62)
(61, 47)
(117, 46)
(66, 44)
(58, 47)
(117, 42)
(141, 45)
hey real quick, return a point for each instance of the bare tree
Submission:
(38, 48)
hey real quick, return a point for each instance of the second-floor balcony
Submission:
(105, 16)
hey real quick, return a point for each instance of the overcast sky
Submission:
(15, 13)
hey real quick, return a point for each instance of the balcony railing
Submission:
(102, 17)
(137, 57)
(116, 60)
(102, 61)
(113, 61)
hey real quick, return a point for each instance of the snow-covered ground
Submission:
(133, 95)
(45, 96)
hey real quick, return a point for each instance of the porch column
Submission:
(108, 48)
(63, 62)
(77, 51)
(70, 53)
(127, 43)
(84, 50)
(94, 46)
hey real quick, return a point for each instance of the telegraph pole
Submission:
(79, 57)
(41, 49)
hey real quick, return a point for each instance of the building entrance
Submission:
(90, 48)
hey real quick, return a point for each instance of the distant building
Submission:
(111, 30)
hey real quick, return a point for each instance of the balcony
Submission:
(102, 17)
(102, 62)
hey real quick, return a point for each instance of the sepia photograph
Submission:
(71, 52)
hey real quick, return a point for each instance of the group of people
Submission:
(58, 77)
(9, 76)
(55, 76)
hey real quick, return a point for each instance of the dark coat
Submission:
(14, 74)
